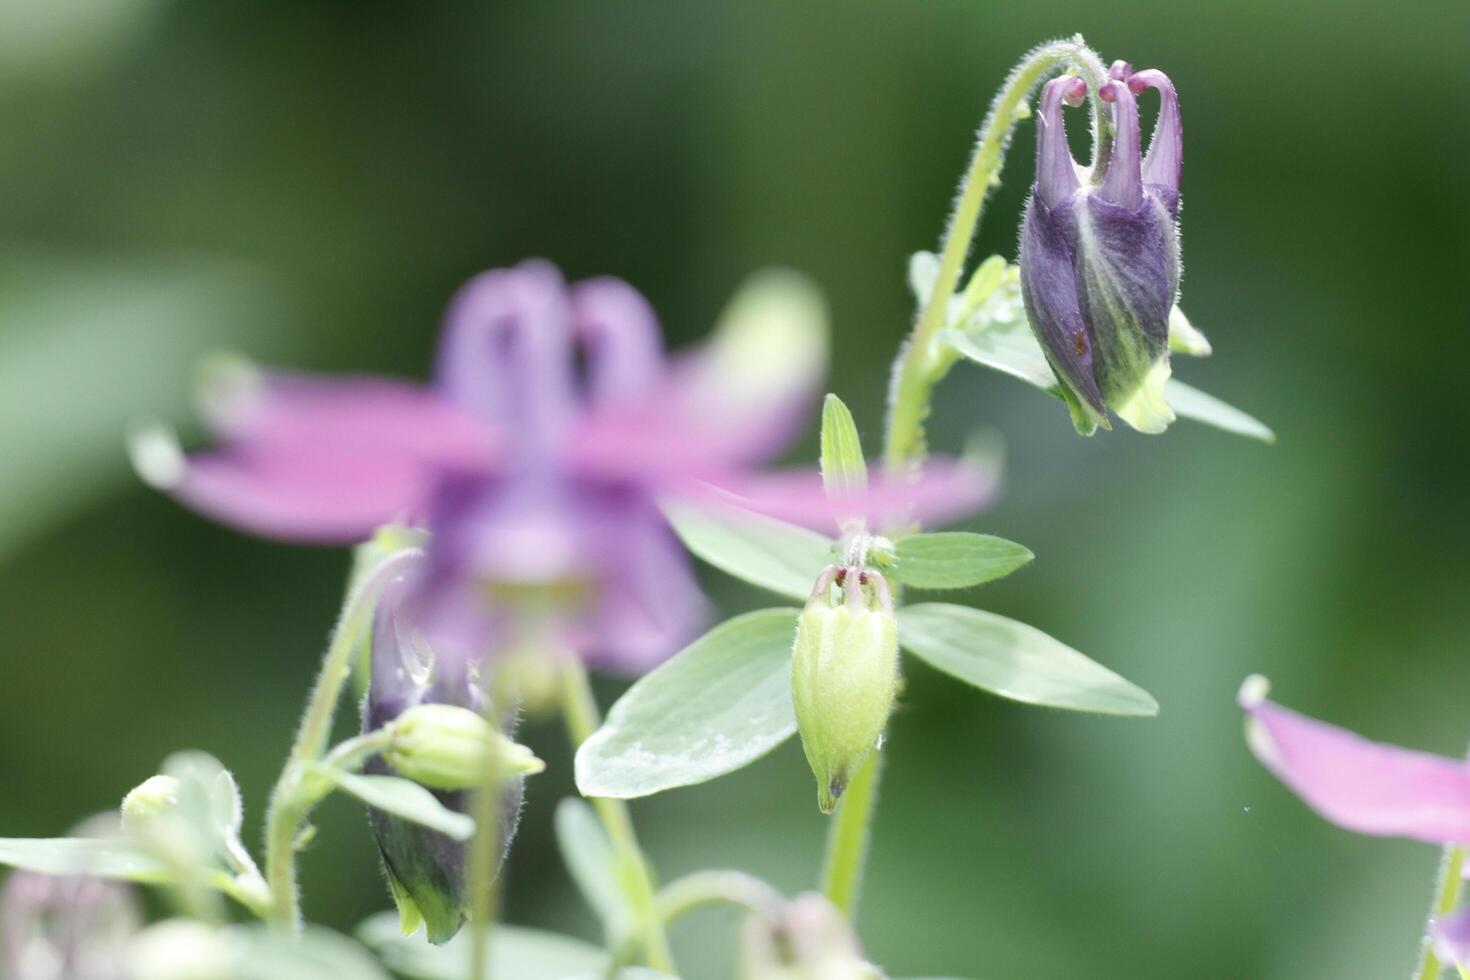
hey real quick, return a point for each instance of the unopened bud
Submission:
(444, 746)
(808, 939)
(844, 674)
(150, 799)
(180, 949)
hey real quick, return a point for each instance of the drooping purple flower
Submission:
(1451, 938)
(1364, 786)
(1100, 254)
(538, 459)
(65, 927)
(425, 869)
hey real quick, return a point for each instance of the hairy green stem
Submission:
(1446, 896)
(716, 887)
(484, 857)
(920, 365)
(847, 839)
(579, 710)
(290, 801)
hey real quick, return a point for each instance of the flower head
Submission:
(537, 459)
(1100, 256)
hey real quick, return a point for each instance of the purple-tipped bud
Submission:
(1100, 259)
(425, 869)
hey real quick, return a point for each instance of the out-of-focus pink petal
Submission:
(264, 411)
(506, 353)
(947, 490)
(1452, 938)
(619, 334)
(325, 496)
(1368, 787)
(737, 399)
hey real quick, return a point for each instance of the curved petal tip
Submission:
(157, 458)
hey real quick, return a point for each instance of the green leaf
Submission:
(760, 550)
(844, 472)
(1191, 403)
(589, 858)
(955, 559)
(717, 706)
(79, 855)
(1007, 345)
(314, 954)
(402, 798)
(1015, 661)
(515, 952)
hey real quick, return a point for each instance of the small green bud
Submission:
(445, 747)
(150, 799)
(806, 939)
(844, 675)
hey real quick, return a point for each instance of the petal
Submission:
(1368, 787)
(619, 334)
(1122, 184)
(506, 353)
(947, 490)
(738, 399)
(1049, 290)
(1056, 173)
(1164, 163)
(1452, 938)
(315, 460)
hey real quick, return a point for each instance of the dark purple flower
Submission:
(1100, 255)
(425, 869)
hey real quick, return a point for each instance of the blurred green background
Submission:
(308, 182)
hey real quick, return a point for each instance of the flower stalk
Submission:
(1446, 895)
(293, 797)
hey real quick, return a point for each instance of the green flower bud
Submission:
(444, 746)
(806, 939)
(844, 674)
(150, 799)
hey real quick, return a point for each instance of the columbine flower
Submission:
(1365, 786)
(425, 869)
(1100, 259)
(538, 457)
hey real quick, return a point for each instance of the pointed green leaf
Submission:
(402, 798)
(844, 472)
(760, 550)
(1191, 403)
(515, 952)
(589, 858)
(955, 559)
(1015, 661)
(1185, 337)
(717, 706)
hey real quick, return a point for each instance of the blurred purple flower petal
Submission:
(537, 460)
(1452, 938)
(1368, 787)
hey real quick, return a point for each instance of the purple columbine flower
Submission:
(1366, 786)
(537, 458)
(1100, 254)
(425, 869)
(65, 927)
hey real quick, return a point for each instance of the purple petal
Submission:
(506, 353)
(316, 460)
(619, 334)
(1163, 164)
(1122, 184)
(1056, 173)
(737, 399)
(947, 490)
(1364, 786)
(1452, 938)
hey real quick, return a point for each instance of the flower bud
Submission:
(447, 747)
(426, 869)
(150, 799)
(181, 949)
(807, 940)
(1100, 261)
(844, 674)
